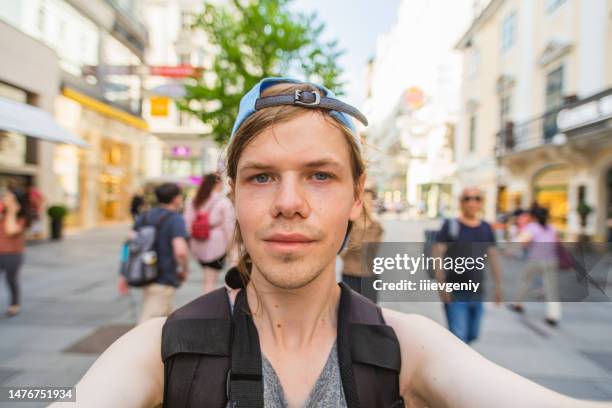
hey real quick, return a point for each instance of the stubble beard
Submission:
(291, 272)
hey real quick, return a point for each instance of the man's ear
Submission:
(358, 203)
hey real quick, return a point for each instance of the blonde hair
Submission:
(264, 119)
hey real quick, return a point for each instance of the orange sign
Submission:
(413, 97)
(159, 105)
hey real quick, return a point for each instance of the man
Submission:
(172, 251)
(297, 179)
(467, 236)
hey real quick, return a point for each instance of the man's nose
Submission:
(290, 198)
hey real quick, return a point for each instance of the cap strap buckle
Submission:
(301, 96)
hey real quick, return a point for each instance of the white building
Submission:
(536, 110)
(183, 150)
(413, 103)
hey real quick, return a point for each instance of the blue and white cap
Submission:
(252, 101)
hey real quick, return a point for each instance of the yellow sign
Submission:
(159, 105)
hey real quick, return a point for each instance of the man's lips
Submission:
(287, 241)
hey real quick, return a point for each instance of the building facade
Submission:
(182, 150)
(24, 159)
(535, 110)
(98, 43)
(413, 105)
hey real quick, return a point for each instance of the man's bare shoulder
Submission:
(132, 362)
(410, 326)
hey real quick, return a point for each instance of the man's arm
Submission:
(129, 374)
(181, 255)
(438, 370)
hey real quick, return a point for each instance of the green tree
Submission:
(252, 40)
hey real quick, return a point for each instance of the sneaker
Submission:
(551, 322)
(13, 310)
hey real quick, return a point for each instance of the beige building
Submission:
(24, 159)
(535, 120)
(181, 150)
(93, 93)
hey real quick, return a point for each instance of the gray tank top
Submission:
(326, 392)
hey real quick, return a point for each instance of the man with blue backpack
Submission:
(156, 254)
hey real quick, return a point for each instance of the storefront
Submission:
(587, 125)
(99, 182)
(550, 190)
(571, 174)
(29, 135)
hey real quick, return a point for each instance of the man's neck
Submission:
(293, 318)
(170, 207)
(469, 220)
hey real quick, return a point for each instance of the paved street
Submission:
(69, 293)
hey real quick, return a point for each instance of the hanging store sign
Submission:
(181, 151)
(159, 106)
(168, 71)
(585, 114)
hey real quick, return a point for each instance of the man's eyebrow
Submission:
(323, 162)
(253, 165)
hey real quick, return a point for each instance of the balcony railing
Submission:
(527, 135)
(575, 116)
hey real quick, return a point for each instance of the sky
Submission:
(356, 24)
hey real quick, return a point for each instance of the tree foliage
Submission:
(251, 40)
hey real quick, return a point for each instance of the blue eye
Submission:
(261, 178)
(322, 176)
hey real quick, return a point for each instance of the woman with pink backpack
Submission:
(210, 221)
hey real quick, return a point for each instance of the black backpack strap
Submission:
(368, 354)
(195, 343)
(244, 381)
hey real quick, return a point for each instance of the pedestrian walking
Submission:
(464, 237)
(170, 248)
(137, 205)
(542, 240)
(210, 222)
(366, 228)
(36, 202)
(13, 224)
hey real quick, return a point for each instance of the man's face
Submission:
(294, 195)
(471, 202)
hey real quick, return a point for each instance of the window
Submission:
(554, 89)
(472, 140)
(552, 5)
(186, 20)
(505, 109)
(185, 59)
(508, 32)
(474, 63)
(42, 19)
(554, 99)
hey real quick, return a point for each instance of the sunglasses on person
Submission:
(476, 198)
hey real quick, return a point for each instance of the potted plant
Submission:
(57, 213)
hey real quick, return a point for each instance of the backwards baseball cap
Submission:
(320, 98)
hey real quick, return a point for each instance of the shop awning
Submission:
(35, 122)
